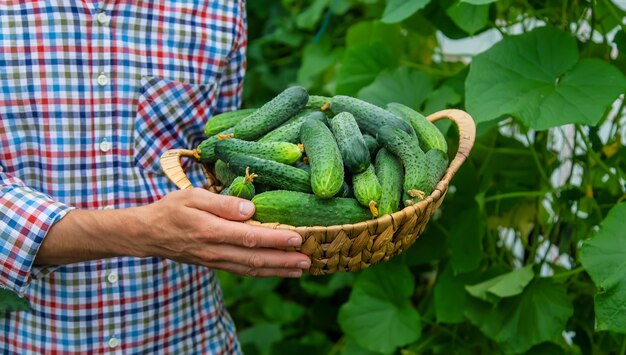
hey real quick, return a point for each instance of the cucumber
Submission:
(324, 158)
(242, 186)
(399, 143)
(269, 172)
(344, 191)
(226, 120)
(206, 149)
(282, 152)
(389, 173)
(223, 174)
(317, 102)
(290, 131)
(354, 152)
(430, 137)
(303, 166)
(372, 145)
(272, 114)
(367, 189)
(301, 209)
(368, 116)
(436, 162)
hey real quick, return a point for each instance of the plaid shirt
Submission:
(91, 94)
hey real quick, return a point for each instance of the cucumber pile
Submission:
(321, 161)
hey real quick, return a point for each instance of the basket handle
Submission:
(467, 135)
(170, 163)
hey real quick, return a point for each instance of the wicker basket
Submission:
(352, 247)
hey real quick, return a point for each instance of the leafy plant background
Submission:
(528, 251)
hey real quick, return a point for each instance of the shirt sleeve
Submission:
(231, 81)
(26, 216)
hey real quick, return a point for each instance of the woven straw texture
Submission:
(352, 247)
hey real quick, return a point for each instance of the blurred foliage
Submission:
(499, 269)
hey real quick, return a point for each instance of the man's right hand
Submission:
(190, 226)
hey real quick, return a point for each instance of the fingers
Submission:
(228, 207)
(260, 258)
(253, 272)
(246, 235)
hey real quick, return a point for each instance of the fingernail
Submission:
(295, 274)
(246, 208)
(295, 241)
(304, 264)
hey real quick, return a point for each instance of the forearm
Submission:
(84, 235)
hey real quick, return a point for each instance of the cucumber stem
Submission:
(325, 106)
(416, 193)
(305, 160)
(225, 136)
(373, 208)
(301, 147)
(409, 203)
(249, 177)
(196, 153)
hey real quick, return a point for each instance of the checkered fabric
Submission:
(91, 94)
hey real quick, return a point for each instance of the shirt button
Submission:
(105, 146)
(113, 342)
(112, 277)
(102, 18)
(102, 80)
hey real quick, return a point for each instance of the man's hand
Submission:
(200, 227)
(190, 226)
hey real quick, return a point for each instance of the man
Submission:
(91, 94)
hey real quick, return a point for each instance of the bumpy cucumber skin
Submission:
(367, 187)
(317, 101)
(223, 174)
(271, 115)
(430, 137)
(301, 209)
(356, 156)
(206, 149)
(240, 188)
(368, 116)
(372, 145)
(290, 131)
(398, 142)
(226, 120)
(269, 172)
(435, 162)
(389, 173)
(282, 152)
(324, 158)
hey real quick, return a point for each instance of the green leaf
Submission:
(538, 314)
(430, 246)
(450, 296)
(308, 18)
(479, 2)
(507, 285)
(377, 33)
(11, 302)
(327, 285)
(360, 65)
(604, 259)
(470, 18)
(442, 98)
(465, 241)
(316, 59)
(279, 310)
(262, 336)
(403, 85)
(538, 78)
(379, 316)
(398, 10)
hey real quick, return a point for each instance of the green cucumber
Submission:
(399, 143)
(436, 162)
(269, 172)
(430, 137)
(206, 149)
(372, 144)
(225, 120)
(369, 117)
(301, 209)
(316, 101)
(223, 174)
(272, 114)
(324, 158)
(367, 189)
(242, 187)
(282, 152)
(290, 131)
(344, 191)
(389, 173)
(356, 156)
